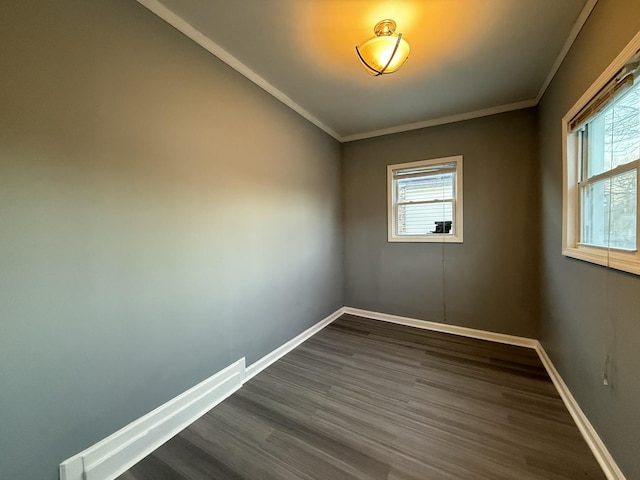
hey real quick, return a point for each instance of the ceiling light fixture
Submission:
(386, 52)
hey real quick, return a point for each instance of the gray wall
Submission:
(590, 311)
(491, 280)
(160, 217)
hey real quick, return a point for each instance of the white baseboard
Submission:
(112, 456)
(269, 358)
(115, 454)
(597, 446)
(445, 328)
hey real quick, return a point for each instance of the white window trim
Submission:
(456, 237)
(628, 261)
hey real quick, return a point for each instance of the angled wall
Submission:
(160, 217)
(588, 311)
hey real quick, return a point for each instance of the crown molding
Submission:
(205, 42)
(485, 112)
(575, 31)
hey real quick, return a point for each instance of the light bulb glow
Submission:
(386, 52)
(377, 52)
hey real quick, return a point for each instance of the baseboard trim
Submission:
(597, 446)
(445, 328)
(595, 443)
(278, 353)
(115, 454)
(112, 456)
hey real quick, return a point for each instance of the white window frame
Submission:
(625, 260)
(392, 210)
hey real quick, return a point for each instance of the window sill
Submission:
(617, 259)
(426, 239)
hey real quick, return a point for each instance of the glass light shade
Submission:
(377, 51)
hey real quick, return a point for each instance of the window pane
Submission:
(425, 218)
(427, 188)
(597, 161)
(623, 133)
(614, 134)
(624, 191)
(609, 213)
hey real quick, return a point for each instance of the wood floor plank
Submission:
(364, 399)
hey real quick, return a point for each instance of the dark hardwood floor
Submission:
(364, 399)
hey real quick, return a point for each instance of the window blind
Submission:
(424, 171)
(425, 199)
(618, 85)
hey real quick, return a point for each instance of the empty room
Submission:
(319, 240)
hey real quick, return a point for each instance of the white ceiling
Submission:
(468, 57)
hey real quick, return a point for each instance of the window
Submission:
(425, 201)
(602, 159)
